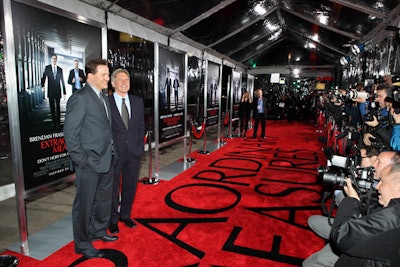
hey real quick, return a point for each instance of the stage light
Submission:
(357, 49)
(344, 60)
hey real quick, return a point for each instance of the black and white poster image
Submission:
(236, 91)
(50, 52)
(213, 93)
(171, 94)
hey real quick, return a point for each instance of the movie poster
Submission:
(43, 91)
(250, 84)
(213, 93)
(195, 90)
(136, 55)
(237, 92)
(171, 92)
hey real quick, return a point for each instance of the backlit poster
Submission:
(40, 38)
(237, 92)
(171, 95)
(213, 93)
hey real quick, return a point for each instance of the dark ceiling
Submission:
(267, 32)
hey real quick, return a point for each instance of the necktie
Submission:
(124, 113)
(55, 72)
(103, 102)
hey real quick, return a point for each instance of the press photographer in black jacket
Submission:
(372, 240)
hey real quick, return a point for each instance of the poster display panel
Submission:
(136, 55)
(213, 93)
(195, 90)
(236, 92)
(42, 97)
(171, 95)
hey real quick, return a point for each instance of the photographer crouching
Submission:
(373, 239)
(333, 254)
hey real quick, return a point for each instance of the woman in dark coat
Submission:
(244, 113)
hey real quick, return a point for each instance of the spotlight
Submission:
(357, 49)
(344, 60)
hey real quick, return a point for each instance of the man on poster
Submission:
(55, 82)
(76, 77)
(167, 89)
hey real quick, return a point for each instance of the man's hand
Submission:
(349, 189)
(367, 137)
(373, 123)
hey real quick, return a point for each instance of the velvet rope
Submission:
(226, 119)
(196, 134)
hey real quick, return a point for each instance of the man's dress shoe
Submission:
(107, 238)
(128, 222)
(113, 228)
(90, 253)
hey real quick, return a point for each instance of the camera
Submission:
(340, 168)
(353, 94)
(393, 97)
(371, 111)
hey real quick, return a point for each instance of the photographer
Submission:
(320, 224)
(377, 118)
(374, 239)
(394, 103)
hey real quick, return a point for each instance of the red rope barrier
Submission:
(226, 119)
(196, 134)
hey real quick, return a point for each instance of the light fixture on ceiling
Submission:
(357, 49)
(344, 60)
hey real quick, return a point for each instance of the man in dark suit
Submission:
(127, 113)
(88, 135)
(176, 91)
(55, 82)
(76, 77)
(259, 113)
(167, 90)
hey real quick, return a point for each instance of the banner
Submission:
(171, 92)
(237, 92)
(40, 38)
(213, 93)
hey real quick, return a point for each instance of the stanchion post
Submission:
(204, 151)
(150, 179)
(189, 157)
(222, 138)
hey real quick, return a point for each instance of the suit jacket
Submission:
(54, 86)
(255, 104)
(87, 131)
(128, 142)
(72, 75)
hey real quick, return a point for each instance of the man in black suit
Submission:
(55, 82)
(176, 91)
(88, 135)
(167, 90)
(76, 77)
(259, 113)
(127, 113)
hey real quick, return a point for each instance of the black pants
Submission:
(259, 118)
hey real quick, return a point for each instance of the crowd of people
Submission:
(361, 236)
(104, 135)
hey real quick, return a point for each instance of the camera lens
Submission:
(333, 179)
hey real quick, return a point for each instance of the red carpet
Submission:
(246, 204)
